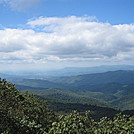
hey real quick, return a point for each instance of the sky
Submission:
(38, 34)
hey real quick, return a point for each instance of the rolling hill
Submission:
(120, 76)
(115, 88)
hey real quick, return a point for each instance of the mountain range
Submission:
(113, 88)
(102, 85)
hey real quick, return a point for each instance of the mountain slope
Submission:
(114, 88)
(122, 77)
(63, 95)
(35, 83)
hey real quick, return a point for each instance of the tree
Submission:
(22, 112)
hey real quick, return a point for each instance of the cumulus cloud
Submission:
(20, 5)
(67, 39)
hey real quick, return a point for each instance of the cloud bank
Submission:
(20, 5)
(77, 39)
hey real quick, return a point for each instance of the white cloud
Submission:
(48, 21)
(20, 5)
(67, 39)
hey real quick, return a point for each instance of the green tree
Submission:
(22, 112)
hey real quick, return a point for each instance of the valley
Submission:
(112, 88)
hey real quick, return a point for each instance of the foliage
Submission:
(23, 113)
(75, 123)
(97, 112)
(114, 94)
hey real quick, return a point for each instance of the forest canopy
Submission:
(25, 113)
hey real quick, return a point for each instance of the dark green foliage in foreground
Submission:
(75, 123)
(23, 113)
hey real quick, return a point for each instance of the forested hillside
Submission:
(24, 113)
(114, 88)
(120, 76)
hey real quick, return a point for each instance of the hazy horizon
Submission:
(114, 67)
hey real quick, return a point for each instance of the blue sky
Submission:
(112, 11)
(58, 33)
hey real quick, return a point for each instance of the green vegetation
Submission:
(63, 95)
(114, 95)
(75, 123)
(97, 112)
(23, 113)
(113, 88)
(121, 76)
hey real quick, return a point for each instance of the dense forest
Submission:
(113, 88)
(24, 113)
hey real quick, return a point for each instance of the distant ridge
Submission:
(120, 76)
